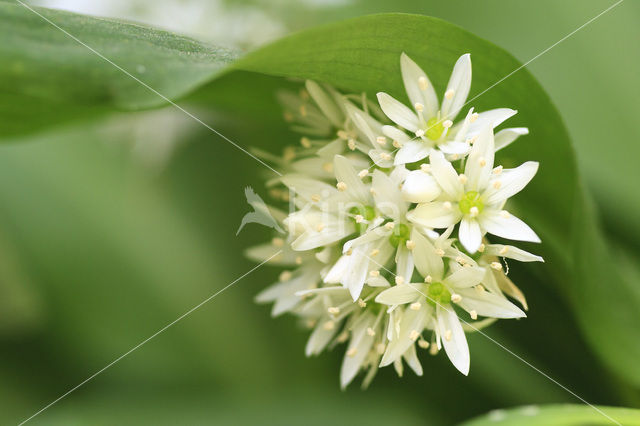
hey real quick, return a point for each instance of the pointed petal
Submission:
(404, 263)
(506, 136)
(470, 234)
(418, 87)
(445, 175)
(412, 360)
(326, 103)
(398, 113)
(398, 295)
(507, 226)
(395, 134)
(511, 182)
(492, 118)
(456, 346)
(411, 321)
(346, 173)
(420, 187)
(453, 147)
(412, 151)
(320, 338)
(424, 255)
(435, 214)
(361, 342)
(488, 304)
(387, 197)
(511, 252)
(480, 161)
(459, 83)
(465, 277)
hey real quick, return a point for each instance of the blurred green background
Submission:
(112, 229)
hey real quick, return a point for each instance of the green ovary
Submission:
(469, 200)
(434, 129)
(400, 235)
(367, 212)
(437, 293)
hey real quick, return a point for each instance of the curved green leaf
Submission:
(558, 415)
(47, 78)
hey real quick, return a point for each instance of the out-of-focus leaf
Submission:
(47, 77)
(558, 415)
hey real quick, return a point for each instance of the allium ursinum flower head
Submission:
(364, 266)
(430, 123)
(476, 198)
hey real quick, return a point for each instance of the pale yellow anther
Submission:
(285, 276)
(341, 186)
(343, 337)
(473, 117)
(380, 348)
(362, 173)
(333, 310)
(448, 335)
(481, 248)
(456, 298)
(428, 279)
(371, 332)
(474, 211)
(381, 140)
(303, 110)
(305, 142)
(351, 143)
(474, 315)
(433, 350)
(316, 198)
(419, 133)
(497, 170)
(310, 323)
(423, 344)
(461, 260)
(480, 288)
(399, 279)
(352, 352)
(289, 153)
(320, 227)
(505, 214)
(329, 325)
(359, 218)
(455, 157)
(410, 244)
(447, 205)
(423, 83)
(298, 260)
(327, 167)
(349, 252)
(496, 265)
(389, 226)
(418, 106)
(397, 144)
(440, 252)
(447, 123)
(497, 184)
(385, 156)
(415, 306)
(463, 179)
(482, 162)
(504, 250)
(362, 303)
(374, 252)
(372, 191)
(374, 273)
(343, 135)
(413, 335)
(449, 94)
(288, 117)
(425, 167)
(278, 242)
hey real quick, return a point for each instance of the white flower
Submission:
(432, 122)
(475, 199)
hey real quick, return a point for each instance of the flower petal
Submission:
(420, 187)
(492, 118)
(387, 197)
(506, 136)
(436, 214)
(398, 112)
(426, 260)
(459, 83)
(488, 304)
(411, 321)
(346, 173)
(418, 87)
(320, 338)
(507, 226)
(398, 295)
(326, 103)
(412, 151)
(361, 343)
(511, 252)
(480, 161)
(453, 147)
(465, 277)
(445, 175)
(470, 234)
(510, 182)
(456, 346)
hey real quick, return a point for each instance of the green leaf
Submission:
(558, 415)
(47, 70)
(47, 77)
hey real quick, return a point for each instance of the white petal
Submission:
(435, 214)
(326, 104)
(387, 196)
(411, 74)
(445, 174)
(488, 304)
(460, 83)
(492, 118)
(331, 233)
(320, 337)
(395, 134)
(362, 342)
(480, 161)
(412, 151)
(506, 136)
(470, 234)
(454, 147)
(424, 255)
(420, 187)
(332, 148)
(511, 181)
(404, 262)
(465, 277)
(456, 347)
(398, 295)
(398, 113)
(412, 360)
(305, 188)
(346, 173)
(507, 226)
(511, 252)
(411, 320)
(373, 234)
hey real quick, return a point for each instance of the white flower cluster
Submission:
(386, 243)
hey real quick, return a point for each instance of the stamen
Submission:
(374, 252)
(481, 248)
(329, 325)
(351, 143)
(496, 265)
(316, 198)
(352, 352)
(381, 140)
(327, 167)
(371, 332)
(433, 350)
(285, 276)
(504, 250)
(385, 156)
(320, 227)
(449, 94)
(342, 337)
(474, 211)
(399, 279)
(473, 117)
(419, 133)
(298, 260)
(448, 334)
(425, 167)
(410, 244)
(374, 273)
(418, 106)
(362, 303)
(423, 83)
(497, 184)
(359, 218)
(440, 252)
(463, 179)
(389, 226)
(482, 162)
(415, 306)
(342, 134)
(397, 144)
(414, 335)
(456, 298)
(428, 279)
(447, 205)
(423, 344)
(305, 142)
(497, 170)
(474, 315)
(278, 242)
(341, 186)
(363, 173)
(380, 348)
(303, 110)
(447, 123)
(333, 310)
